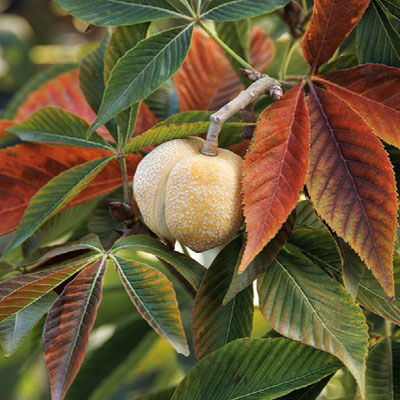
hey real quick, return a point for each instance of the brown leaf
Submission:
(274, 170)
(26, 168)
(351, 182)
(68, 325)
(373, 91)
(331, 22)
(206, 79)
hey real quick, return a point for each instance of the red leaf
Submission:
(373, 91)
(331, 22)
(67, 327)
(206, 80)
(274, 170)
(351, 182)
(26, 168)
(4, 124)
(64, 92)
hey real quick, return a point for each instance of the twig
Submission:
(265, 85)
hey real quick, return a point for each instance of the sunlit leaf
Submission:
(116, 12)
(18, 293)
(329, 26)
(255, 368)
(142, 70)
(190, 269)
(262, 261)
(351, 182)
(274, 170)
(154, 297)
(15, 329)
(303, 303)
(55, 125)
(68, 325)
(383, 372)
(52, 197)
(373, 91)
(214, 324)
(232, 10)
(165, 394)
(377, 40)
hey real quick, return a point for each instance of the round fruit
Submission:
(185, 195)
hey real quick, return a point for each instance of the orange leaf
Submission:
(351, 182)
(26, 168)
(68, 325)
(373, 91)
(206, 79)
(274, 170)
(64, 92)
(331, 22)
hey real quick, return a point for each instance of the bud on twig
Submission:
(251, 74)
(121, 212)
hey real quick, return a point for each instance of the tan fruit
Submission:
(185, 195)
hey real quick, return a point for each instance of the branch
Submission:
(264, 85)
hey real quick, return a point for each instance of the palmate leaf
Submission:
(27, 168)
(123, 39)
(328, 28)
(68, 324)
(262, 261)
(377, 40)
(373, 91)
(351, 183)
(214, 324)
(319, 246)
(55, 125)
(303, 303)
(18, 293)
(233, 10)
(15, 329)
(52, 197)
(154, 297)
(383, 372)
(310, 392)
(255, 369)
(187, 267)
(118, 12)
(142, 70)
(274, 170)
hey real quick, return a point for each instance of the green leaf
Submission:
(165, 394)
(118, 12)
(142, 70)
(214, 324)
(377, 40)
(237, 36)
(303, 303)
(15, 329)
(393, 6)
(53, 196)
(68, 325)
(233, 10)
(255, 369)
(101, 362)
(34, 83)
(164, 101)
(308, 393)
(123, 39)
(55, 125)
(154, 297)
(383, 372)
(91, 75)
(190, 269)
(18, 293)
(306, 216)
(318, 245)
(261, 262)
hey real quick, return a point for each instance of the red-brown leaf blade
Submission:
(274, 170)
(68, 325)
(18, 293)
(26, 168)
(373, 91)
(351, 183)
(331, 22)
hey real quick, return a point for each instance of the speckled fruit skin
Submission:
(185, 195)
